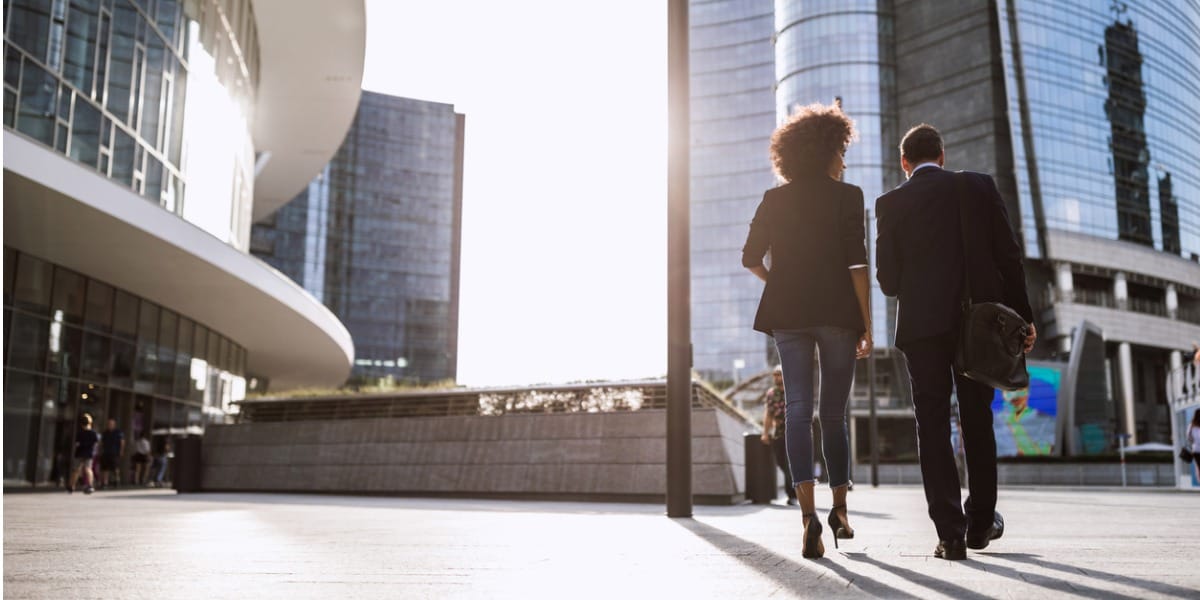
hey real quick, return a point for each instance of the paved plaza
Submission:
(1060, 543)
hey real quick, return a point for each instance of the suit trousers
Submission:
(931, 371)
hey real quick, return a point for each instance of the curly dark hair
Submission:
(807, 143)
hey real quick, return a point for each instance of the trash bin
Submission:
(187, 464)
(760, 470)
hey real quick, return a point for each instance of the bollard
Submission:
(187, 464)
(761, 487)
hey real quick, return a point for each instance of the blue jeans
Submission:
(835, 347)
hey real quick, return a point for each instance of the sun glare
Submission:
(564, 250)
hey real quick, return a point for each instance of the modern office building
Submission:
(141, 138)
(376, 237)
(733, 114)
(1085, 113)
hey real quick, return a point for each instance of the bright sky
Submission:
(564, 207)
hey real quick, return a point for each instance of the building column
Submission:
(1172, 300)
(1121, 291)
(1065, 282)
(1125, 368)
(1176, 360)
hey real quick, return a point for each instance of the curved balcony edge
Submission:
(312, 54)
(59, 210)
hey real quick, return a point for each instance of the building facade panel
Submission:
(129, 184)
(1113, 99)
(376, 238)
(76, 345)
(732, 116)
(106, 83)
(1127, 326)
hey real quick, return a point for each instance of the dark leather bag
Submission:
(991, 338)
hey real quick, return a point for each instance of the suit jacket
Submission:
(919, 253)
(814, 230)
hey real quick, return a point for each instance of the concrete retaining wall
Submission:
(620, 455)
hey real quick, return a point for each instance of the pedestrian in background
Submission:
(162, 453)
(815, 300)
(86, 441)
(1193, 436)
(774, 431)
(141, 460)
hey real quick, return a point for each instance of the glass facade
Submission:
(732, 117)
(153, 94)
(376, 238)
(1113, 121)
(835, 50)
(74, 345)
(156, 96)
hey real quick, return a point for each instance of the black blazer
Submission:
(814, 230)
(919, 255)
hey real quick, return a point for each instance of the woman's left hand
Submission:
(864, 346)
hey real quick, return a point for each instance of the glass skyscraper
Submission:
(1084, 112)
(1102, 102)
(376, 237)
(733, 115)
(130, 145)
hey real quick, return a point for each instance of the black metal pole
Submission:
(679, 333)
(874, 420)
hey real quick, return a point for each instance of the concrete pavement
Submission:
(1060, 543)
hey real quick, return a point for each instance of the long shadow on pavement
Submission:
(1050, 583)
(933, 583)
(781, 568)
(1150, 586)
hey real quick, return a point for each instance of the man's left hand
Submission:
(1031, 338)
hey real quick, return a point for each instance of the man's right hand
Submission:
(766, 439)
(1031, 338)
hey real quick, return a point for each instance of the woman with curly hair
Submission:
(815, 300)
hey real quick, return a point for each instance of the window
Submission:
(85, 133)
(31, 290)
(39, 95)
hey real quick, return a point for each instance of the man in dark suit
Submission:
(920, 260)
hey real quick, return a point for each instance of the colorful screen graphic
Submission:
(1025, 420)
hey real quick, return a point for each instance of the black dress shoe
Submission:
(951, 550)
(979, 539)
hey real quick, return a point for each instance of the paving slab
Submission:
(1059, 543)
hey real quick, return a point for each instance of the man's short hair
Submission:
(921, 144)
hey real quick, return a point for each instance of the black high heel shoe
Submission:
(813, 548)
(840, 529)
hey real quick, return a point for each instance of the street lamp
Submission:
(679, 334)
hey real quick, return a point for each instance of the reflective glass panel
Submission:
(39, 97)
